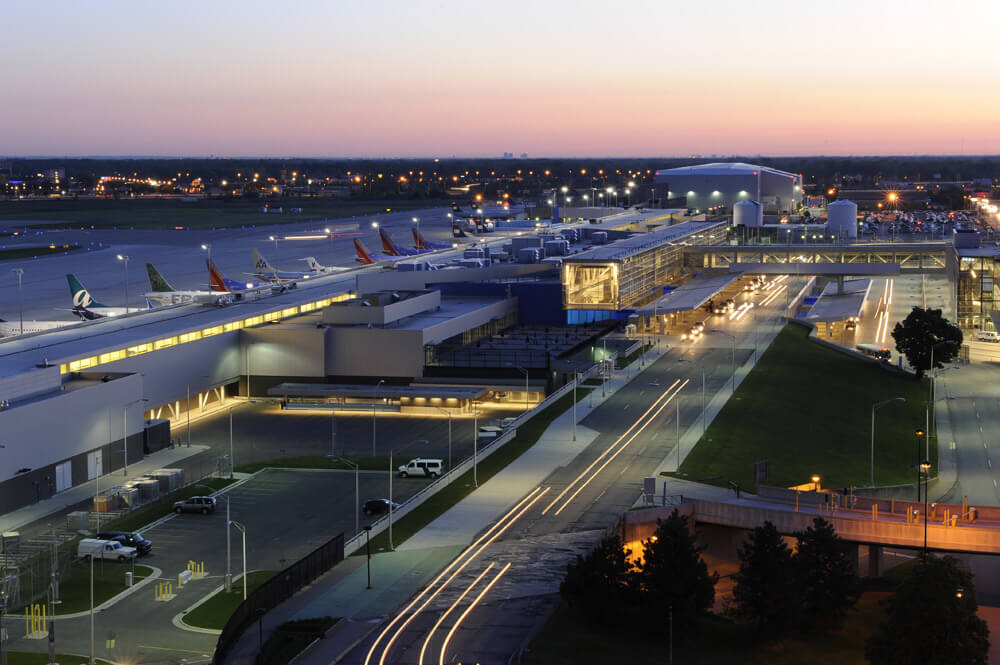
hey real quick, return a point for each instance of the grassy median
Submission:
(527, 436)
(109, 581)
(27, 658)
(807, 410)
(215, 612)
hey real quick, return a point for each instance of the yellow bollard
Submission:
(954, 520)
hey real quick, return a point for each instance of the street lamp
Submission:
(447, 413)
(525, 382)
(229, 549)
(374, 398)
(416, 220)
(274, 239)
(243, 530)
(357, 471)
(875, 407)
(391, 474)
(20, 302)
(125, 259)
(919, 434)
(368, 552)
(208, 248)
(925, 466)
(732, 337)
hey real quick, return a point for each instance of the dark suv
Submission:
(196, 504)
(378, 506)
(128, 539)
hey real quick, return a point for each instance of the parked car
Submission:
(422, 467)
(987, 336)
(378, 506)
(196, 504)
(95, 548)
(128, 539)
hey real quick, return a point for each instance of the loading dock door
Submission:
(64, 476)
(95, 464)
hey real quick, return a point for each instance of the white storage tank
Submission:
(842, 219)
(748, 213)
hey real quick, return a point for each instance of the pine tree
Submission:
(827, 581)
(597, 584)
(765, 589)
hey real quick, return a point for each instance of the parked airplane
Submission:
(269, 273)
(365, 257)
(392, 249)
(86, 307)
(317, 268)
(222, 284)
(9, 329)
(164, 294)
(420, 243)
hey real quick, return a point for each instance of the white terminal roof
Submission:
(640, 242)
(724, 168)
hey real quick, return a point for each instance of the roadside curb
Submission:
(178, 619)
(152, 577)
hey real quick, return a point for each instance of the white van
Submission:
(104, 549)
(422, 467)
(987, 336)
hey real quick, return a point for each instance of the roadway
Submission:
(524, 554)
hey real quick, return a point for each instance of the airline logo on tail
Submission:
(313, 264)
(362, 252)
(261, 264)
(388, 246)
(81, 297)
(156, 280)
(215, 278)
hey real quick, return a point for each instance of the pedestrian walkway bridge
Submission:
(865, 258)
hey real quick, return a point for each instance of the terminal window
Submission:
(593, 285)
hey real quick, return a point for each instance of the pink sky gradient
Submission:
(547, 78)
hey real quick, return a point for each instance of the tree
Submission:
(825, 575)
(672, 574)
(597, 584)
(932, 619)
(765, 591)
(923, 330)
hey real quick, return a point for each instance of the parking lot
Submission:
(263, 432)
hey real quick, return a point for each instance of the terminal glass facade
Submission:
(977, 295)
(632, 279)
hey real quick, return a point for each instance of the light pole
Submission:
(475, 444)
(925, 466)
(92, 662)
(416, 220)
(229, 550)
(208, 248)
(357, 472)
(525, 383)
(368, 552)
(243, 531)
(374, 398)
(391, 474)
(733, 338)
(125, 429)
(447, 413)
(275, 239)
(875, 407)
(20, 302)
(919, 434)
(333, 429)
(125, 259)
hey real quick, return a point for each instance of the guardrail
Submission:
(411, 504)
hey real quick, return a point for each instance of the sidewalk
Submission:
(74, 496)
(342, 592)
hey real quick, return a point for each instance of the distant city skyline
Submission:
(555, 79)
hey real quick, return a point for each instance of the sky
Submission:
(388, 78)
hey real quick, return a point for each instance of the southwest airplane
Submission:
(222, 284)
(392, 249)
(420, 243)
(164, 294)
(365, 257)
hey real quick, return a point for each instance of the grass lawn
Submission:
(807, 410)
(26, 658)
(215, 612)
(566, 636)
(153, 213)
(290, 638)
(527, 435)
(33, 252)
(135, 520)
(109, 580)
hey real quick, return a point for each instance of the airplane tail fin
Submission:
(262, 265)
(215, 278)
(388, 246)
(81, 297)
(418, 240)
(156, 281)
(362, 252)
(313, 264)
